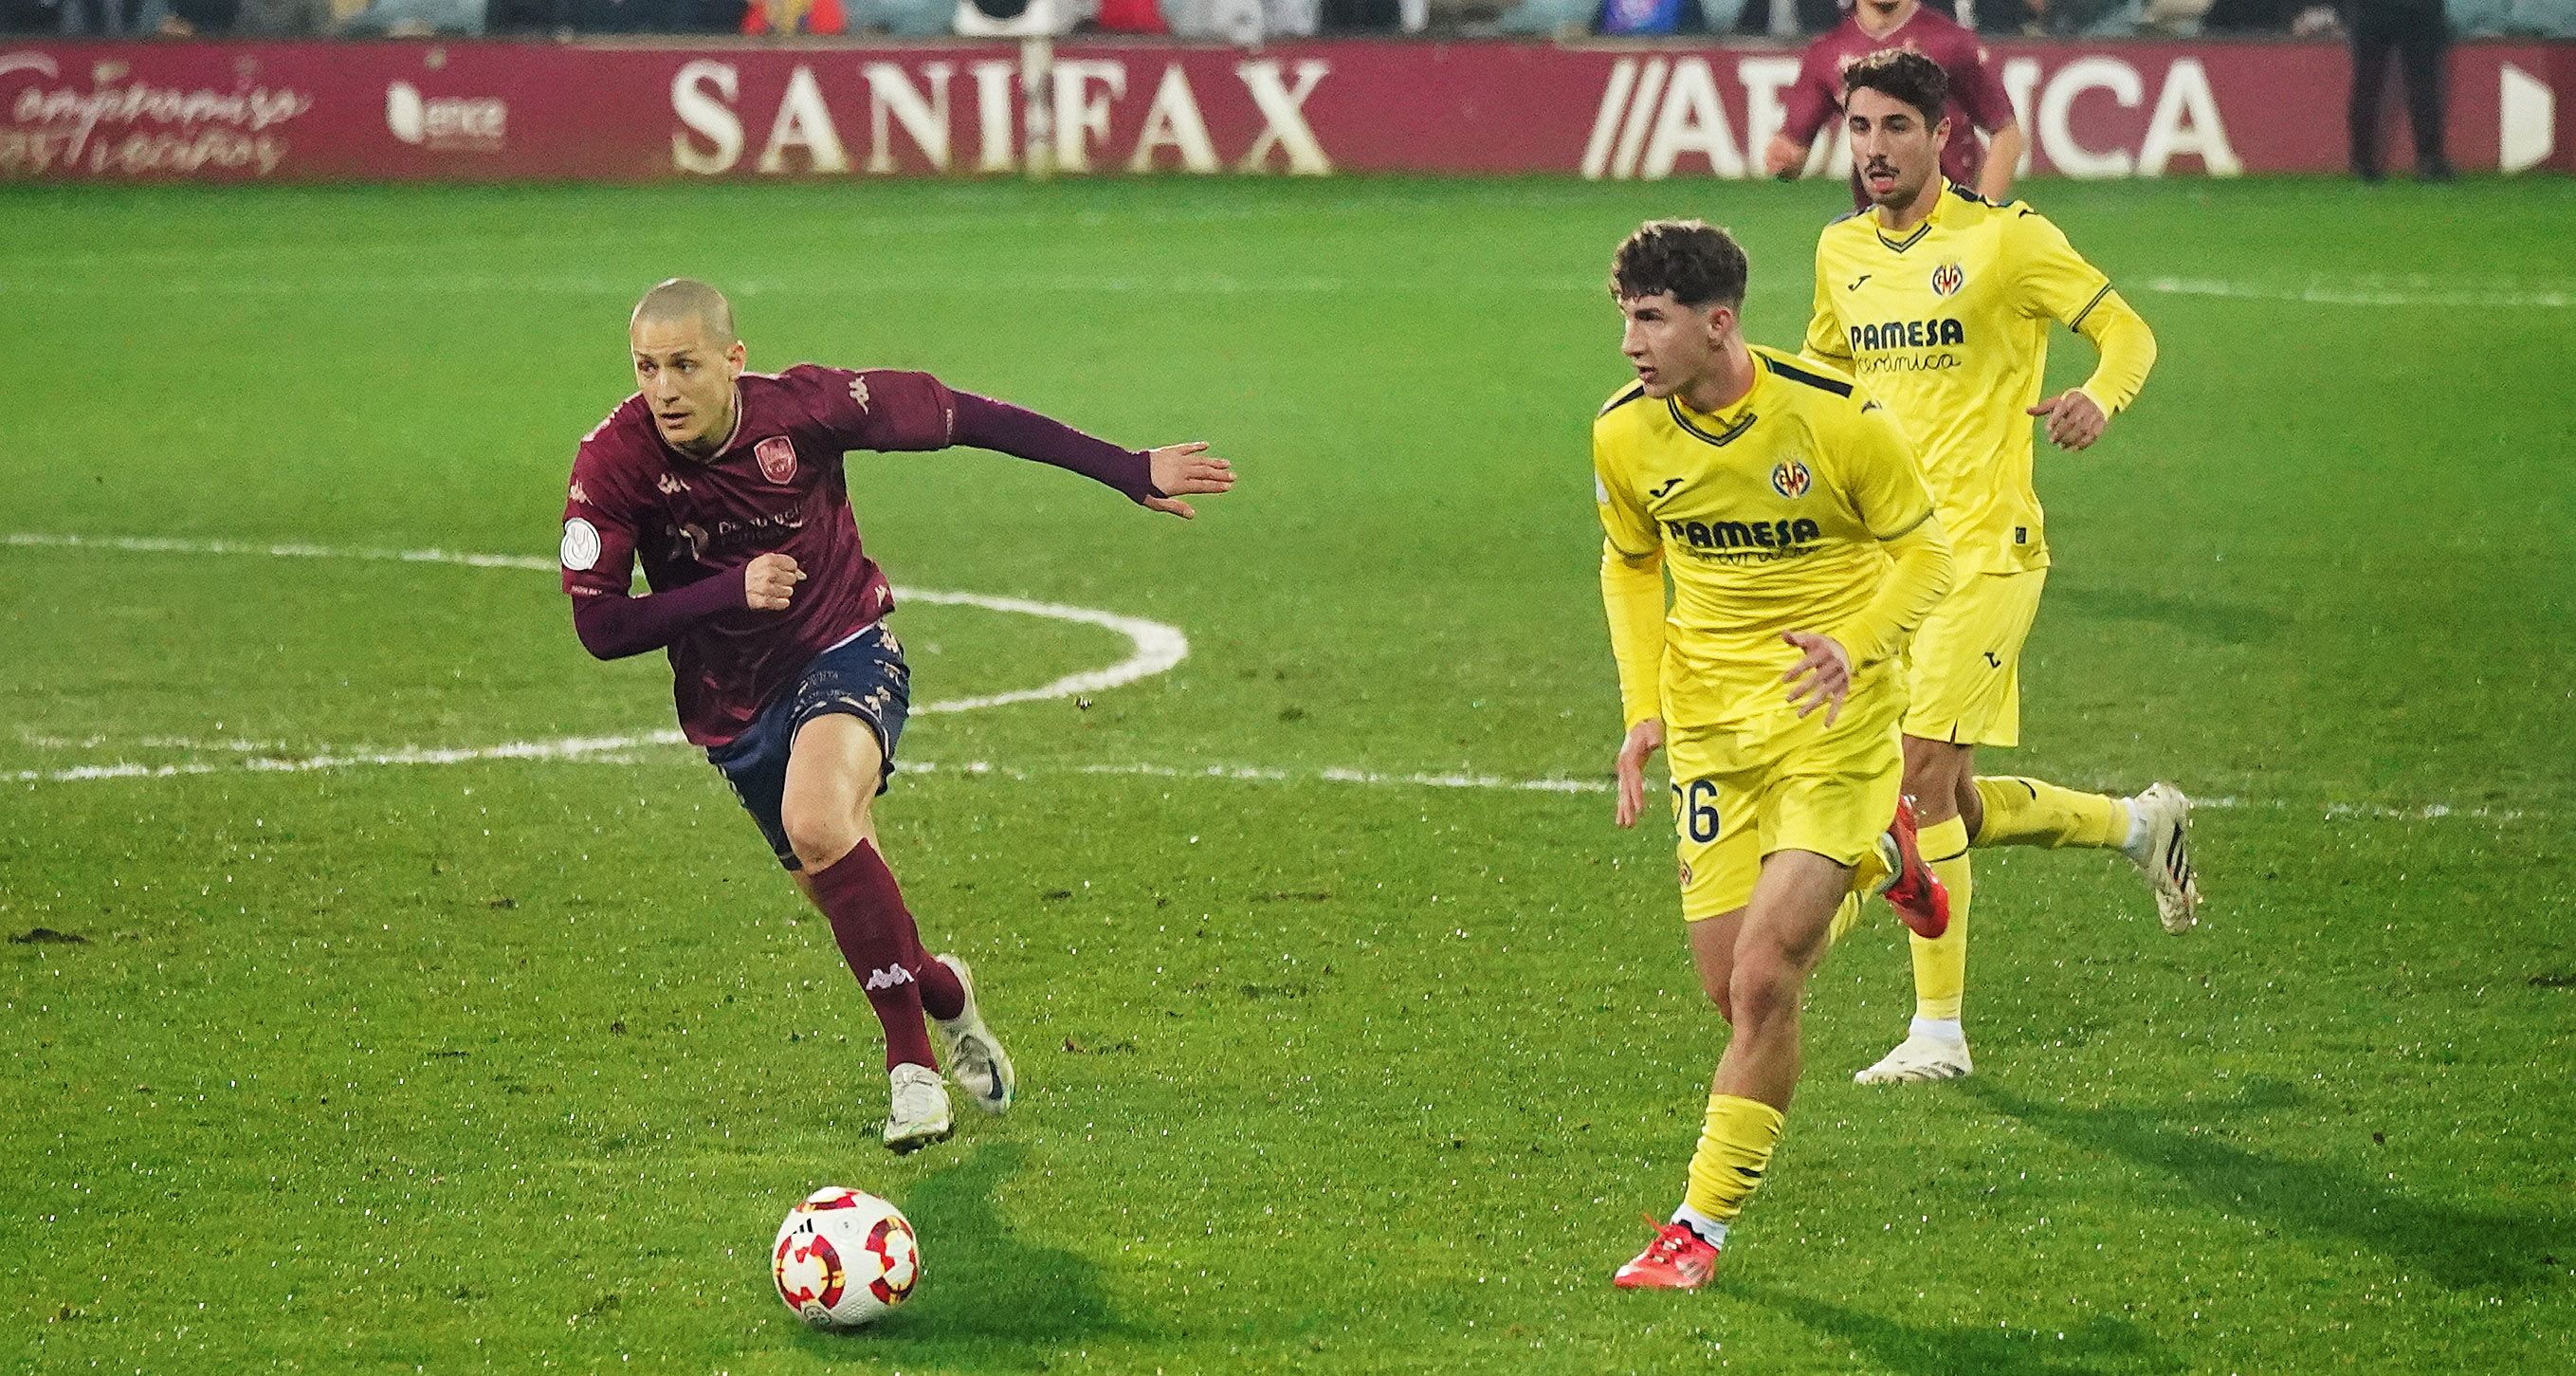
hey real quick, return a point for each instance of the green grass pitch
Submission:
(514, 1064)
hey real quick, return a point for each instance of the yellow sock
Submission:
(1941, 967)
(1734, 1149)
(2032, 812)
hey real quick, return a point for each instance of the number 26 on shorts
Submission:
(1695, 809)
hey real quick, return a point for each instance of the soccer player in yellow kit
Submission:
(1803, 547)
(1940, 302)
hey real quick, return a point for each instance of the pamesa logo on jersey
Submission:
(1947, 279)
(1790, 478)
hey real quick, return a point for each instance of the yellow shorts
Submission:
(1743, 791)
(1963, 674)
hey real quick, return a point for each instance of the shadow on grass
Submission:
(2231, 622)
(988, 1301)
(2099, 1344)
(2460, 1249)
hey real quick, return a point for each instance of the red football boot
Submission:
(1676, 1260)
(1915, 892)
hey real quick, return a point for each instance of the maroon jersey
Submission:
(1977, 100)
(775, 487)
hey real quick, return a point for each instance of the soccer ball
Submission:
(844, 1257)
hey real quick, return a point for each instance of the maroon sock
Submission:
(877, 937)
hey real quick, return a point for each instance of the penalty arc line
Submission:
(1156, 648)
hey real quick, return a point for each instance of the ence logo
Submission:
(1790, 478)
(1947, 279)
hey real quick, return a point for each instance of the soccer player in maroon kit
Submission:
(1977, 98)
(728, 486)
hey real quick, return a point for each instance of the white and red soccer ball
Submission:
(844, 1257)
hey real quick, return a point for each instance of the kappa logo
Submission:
(1791, 479)
(580, 496)
(777, 456)
(670, 484)
(859, 392)
(1947, 279)
(887, 978)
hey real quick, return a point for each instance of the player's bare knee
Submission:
(820, 836)
(1765, 985)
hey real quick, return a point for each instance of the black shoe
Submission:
(2435, 172)
(2371, 176)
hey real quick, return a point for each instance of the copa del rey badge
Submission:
(777, 456)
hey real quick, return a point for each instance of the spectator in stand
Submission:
(2420, 35)
(283, 19)
(764, 17)
(94, 18)
(1131, 16)
(1977, 99)
(187, 18)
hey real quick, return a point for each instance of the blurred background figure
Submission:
(794, 16)
(2419, 34)
(94, 18)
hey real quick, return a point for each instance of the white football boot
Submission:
(2160, 825)
(918, 1116)
(1920, 1057)
(976, 1060)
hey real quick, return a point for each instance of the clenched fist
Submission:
(769, 582)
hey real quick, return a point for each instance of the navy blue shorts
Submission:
(863, 677)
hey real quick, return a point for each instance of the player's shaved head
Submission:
(686, 358)
(682, 300)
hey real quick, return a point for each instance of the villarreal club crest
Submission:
(1790, 478)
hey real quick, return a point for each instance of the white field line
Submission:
(1155, 647)
(2363, 293)
(628, 750)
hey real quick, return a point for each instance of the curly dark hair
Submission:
(1698, 263)
(1901, 74)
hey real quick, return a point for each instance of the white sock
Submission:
(1710, 1230)
(2136, 845)
(1946, 1029)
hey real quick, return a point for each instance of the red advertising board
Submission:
(491, 110)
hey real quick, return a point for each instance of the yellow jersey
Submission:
(1772, 515)
(1948, 324)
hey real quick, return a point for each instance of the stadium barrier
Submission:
(484, 111)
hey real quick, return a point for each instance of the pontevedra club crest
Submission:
(777, 456)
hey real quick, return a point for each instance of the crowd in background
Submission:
(1237, 20)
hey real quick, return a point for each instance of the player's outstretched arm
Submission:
(1186, 470)
(1153, 478)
